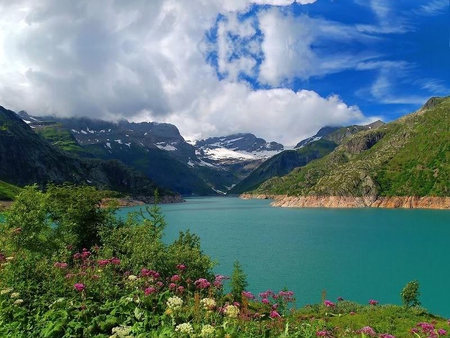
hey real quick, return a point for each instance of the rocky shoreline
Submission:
(405, 202)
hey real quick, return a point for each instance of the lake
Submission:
(357, 254)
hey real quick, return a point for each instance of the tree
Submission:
(410, 294)
(238, 281)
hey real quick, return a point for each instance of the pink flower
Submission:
(149, 291)
(60, 265)
(180, 289)
(386, 335)
(248, 295)
(367, 330)
(265, 301)
(103, 262)
(69, 276)
(442, 332)
(373, 302)
(202, 283)
(172, 286)
(175, 278)
(322, 333)
(115, 261)
(352, 313)
(274, 314)
(79, 287)
(181, 267)
(328, 303)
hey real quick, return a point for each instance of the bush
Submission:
(410, 294)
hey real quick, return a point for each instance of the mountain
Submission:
(27, 158)
(407, 157)
(158, 150)
(311, 148)
(282, 163)
(155, 149)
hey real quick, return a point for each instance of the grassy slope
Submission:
(283, 163)
(8, 191)
(412, 158)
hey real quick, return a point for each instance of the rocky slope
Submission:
(27, 158)
(379, 167)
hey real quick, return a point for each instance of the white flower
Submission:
(132, 277)
(5, 291)
(174, 303)
(185, 328)
(208, 331)
(231, 311)
(15, 295)
(18, 301)
(208, 303)
(121, 331)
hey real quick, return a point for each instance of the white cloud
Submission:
(144, 60)
(301, 47)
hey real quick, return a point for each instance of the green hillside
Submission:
(407, 157)
(8, 191)
(283, 163)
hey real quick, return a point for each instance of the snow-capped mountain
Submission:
(236, 147)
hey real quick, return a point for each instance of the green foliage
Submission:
(407, 157)
(8, 192)
(410, 294)
(238, 281)
(60, 137)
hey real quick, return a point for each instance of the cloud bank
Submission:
(147, 60)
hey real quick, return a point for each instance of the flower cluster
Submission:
(368, 331)
(428, 329)
(174, 303)
(60, 265)
(373, 302)
(208, 303)
(231, 311)
(207, 331)
(185, 328)
(202, 283)
(328, 303)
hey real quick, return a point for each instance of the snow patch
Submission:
(75, 131)
(90, 131)
(108, 145)
(165, 146)
(84, 132)
(118, 141)
(128, 144)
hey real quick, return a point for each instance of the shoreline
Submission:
(388, 202)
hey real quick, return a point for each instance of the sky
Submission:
(280, 69)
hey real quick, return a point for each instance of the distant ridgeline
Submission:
(405, 163)
(27, 158)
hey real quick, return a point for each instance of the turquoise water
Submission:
(357, 254)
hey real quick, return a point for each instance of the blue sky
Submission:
(280, 69)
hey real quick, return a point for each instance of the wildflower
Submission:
(180, 289)
(386, 335)
(15, 295)
(132, 278)
(248, 295)
(103, 262)
(181, 267)
(265, 301)
(231, 311)
(9, 258)
(328, 303)
(340, 299)
(115, 261)
(274, 314)
(322, 333)
(149, 291)
(69, 276)
(352, 313)
(175, 278)
(121, 331)
(368, 331)
(172, 286)
(174, 303)
(5, 291)
(202, 283)
(373, 302)
(442, 332)
(60, 265)
(208, 303)
(79, 287)
(207, 331)
(18, 301)
(185, 328)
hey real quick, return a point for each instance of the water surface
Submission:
(357, 254)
